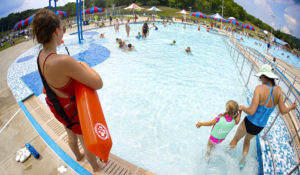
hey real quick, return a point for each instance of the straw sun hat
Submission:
(266, 70)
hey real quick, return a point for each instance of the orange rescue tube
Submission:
(94, 129)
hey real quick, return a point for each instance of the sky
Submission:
(281, 14)
(13, 6)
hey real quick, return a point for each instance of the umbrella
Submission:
(62, 13)
(247, 26)
(93, 10)
(198, 14)
(133, 7)
(153, 9)
(28, 20)
(231, 18)
(19, 25)
(219, 19)
(183, 12)
(233, 21)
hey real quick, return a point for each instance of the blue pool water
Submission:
(274, 51)
(153, 97)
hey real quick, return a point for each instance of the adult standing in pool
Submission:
(268, 47)
(117, 25)
(266, 97)
(145, 30)
(127, 27)
(61, 72)
(110, 19)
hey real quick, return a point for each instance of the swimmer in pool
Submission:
(188, 50)
(139, 36)
(130, 47)
(173, 43)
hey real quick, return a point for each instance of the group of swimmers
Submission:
(122, 45)
(187, 50)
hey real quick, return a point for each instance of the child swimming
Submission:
(222, 124)
(139, 36)
(173, 43)
(130, 47)
(188, 50)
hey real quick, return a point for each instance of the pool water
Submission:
(274, 51)
(153, 97)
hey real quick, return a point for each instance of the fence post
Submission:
(294, 169)
(237, 58)
(292, 140)
(290, 90)
(249, 75)
(242, 65)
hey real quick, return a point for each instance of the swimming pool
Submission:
(275, 52)
(153, 97)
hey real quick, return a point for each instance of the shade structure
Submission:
(231, 18)
(93, 10)
(153, 9)
(133, 7)
(233, 21)
(183, 12)
(198, 14)
(62, 13)
(247, 26)
(217, 16)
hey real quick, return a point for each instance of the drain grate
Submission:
(113, 168)
(33, 103)
(44, 115)
(56, 127)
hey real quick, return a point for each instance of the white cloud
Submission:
(290, 19)
(292, 22)
(272, 24)
(285, 30)
(263, 4)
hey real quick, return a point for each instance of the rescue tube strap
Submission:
(55, 102)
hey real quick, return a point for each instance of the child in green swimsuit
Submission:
(222, 124)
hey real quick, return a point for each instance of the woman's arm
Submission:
(210, 123)
(254, 104)
(81, 72)
(282, 107)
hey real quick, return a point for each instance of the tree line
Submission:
(208, 7)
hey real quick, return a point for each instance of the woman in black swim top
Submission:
(145, 30)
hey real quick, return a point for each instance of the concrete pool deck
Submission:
(15, 136)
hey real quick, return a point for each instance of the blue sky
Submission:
(281, 14)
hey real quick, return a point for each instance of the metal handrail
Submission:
(264, 60)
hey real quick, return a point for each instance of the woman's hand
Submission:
(199, 124)
(241, 108)
(294, 105)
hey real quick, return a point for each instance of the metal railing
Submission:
(242, 56)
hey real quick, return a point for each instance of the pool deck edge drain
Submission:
(54, 135)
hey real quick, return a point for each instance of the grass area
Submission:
(17, 41)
